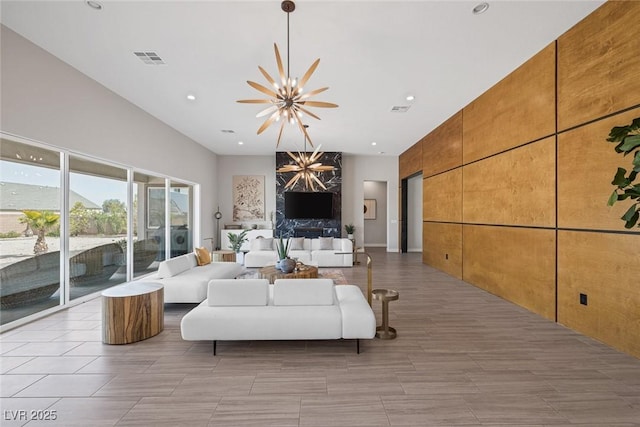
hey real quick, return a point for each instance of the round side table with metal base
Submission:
(384, 331)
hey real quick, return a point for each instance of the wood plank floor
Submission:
(463, 357)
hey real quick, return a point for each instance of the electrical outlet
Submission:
(583, 299)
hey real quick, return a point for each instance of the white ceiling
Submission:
(373, 54)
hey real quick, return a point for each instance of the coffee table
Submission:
(304, 272)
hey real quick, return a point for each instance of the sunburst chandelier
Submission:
(288, 103)
(306, 167)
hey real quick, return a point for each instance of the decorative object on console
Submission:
(248, 197)
(287, 102)
(236, 240)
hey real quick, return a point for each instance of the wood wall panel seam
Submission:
(606, 116)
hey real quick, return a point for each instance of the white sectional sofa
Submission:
(186, 282)
(323, 251)
(290, 309)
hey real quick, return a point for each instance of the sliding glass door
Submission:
(67, 236)
(29, 230)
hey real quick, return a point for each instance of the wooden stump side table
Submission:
(384, 331)
(132, 312)
(223, 256)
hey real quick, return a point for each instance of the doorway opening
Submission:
(375, 214)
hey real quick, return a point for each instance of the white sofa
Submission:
(323, 252)
(290, 309)
(186, 282)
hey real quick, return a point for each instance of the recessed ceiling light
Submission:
(374, 143)
(240, 143)
(94, 4)
(410, 98)
(480, 8)
(191, 97)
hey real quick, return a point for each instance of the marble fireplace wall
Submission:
(332, 180)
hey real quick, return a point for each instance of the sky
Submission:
(93, 188)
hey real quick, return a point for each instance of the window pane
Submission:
(148, 248)
(97, 226)
(181, 218)
(30, 229)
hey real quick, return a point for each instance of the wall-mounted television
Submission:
(308, 205)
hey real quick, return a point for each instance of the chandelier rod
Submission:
(288, 73)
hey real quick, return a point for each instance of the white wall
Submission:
(46, 100)
(375, 230)
(228, 166)
(357, 170)
(414, 214)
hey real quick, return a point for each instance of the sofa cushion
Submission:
(297, 243)
(303, 292)
(174, 266)
(326, 243)
(203, 256)
(265, 244)
(240, 292)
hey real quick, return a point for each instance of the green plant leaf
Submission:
(630, 142)
(633, 220)
(618, 133)
(630, 212)
(620, 180)
(613, 198)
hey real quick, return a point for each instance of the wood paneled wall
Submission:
(517, 264)
(442, 148)
(518, 109)
(411, 161)
(606, 268)
(517, 204)
(599, 64)
(586, 166)
(520, 190)
(442, 247)
(441, 197)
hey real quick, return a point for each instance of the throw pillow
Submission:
(297, 243)
(203, 256)
(326, 243)
(266, 244)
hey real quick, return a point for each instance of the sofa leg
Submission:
(214, 347)
(357, 346)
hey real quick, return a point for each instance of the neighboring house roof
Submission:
(20, 197)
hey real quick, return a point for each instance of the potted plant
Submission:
(235, 243)
(284, 263)
(627, 139)
(350, 229)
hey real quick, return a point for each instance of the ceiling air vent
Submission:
(227, 131)
(400, 108)
(149, 58)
